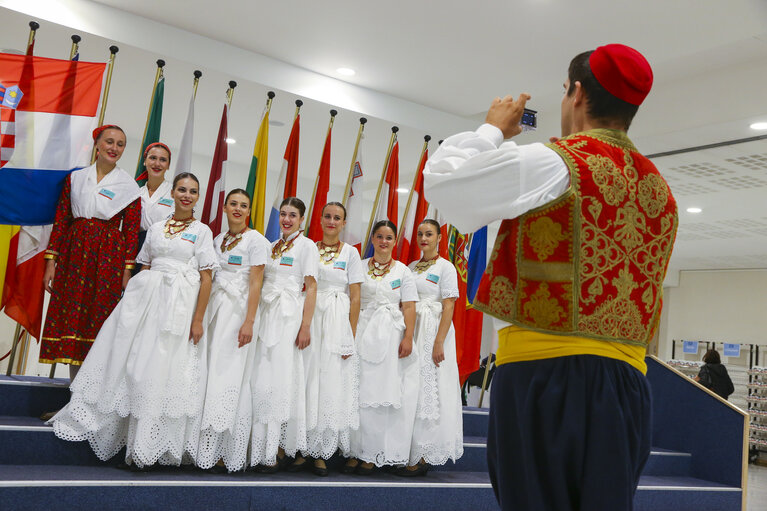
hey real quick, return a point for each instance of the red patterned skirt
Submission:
(86, 287)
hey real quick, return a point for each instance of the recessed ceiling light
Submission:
(694, 210)
(231, 141)
(403, 190)
(346, 71)
(759, 126)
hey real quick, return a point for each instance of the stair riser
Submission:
(475, 424)
(665, 465)
(31, 400)
(687, 500)
(247, 498)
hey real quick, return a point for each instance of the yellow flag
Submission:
(7, 232)
(257, 178)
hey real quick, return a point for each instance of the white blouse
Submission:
(252, 250)
(475, 178)
(438, 282)
(345, 269)
(158, 207)
(396, 286)
(192, 247)
(300, 261)
(104, 199)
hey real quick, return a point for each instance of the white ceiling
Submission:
(433, 67)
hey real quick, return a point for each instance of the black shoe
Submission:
(268, 469)
(349, 469)
(360, 470)
(422, 470)
(320, 471)
(218, 468)
(297, 466)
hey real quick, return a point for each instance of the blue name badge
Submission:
(395, 284)
(188, 236)
(165, 202)
(286, 261)
(109, 194)
(235, 260)
(434, 279)
(339, 265)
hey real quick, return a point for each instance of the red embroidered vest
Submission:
(592, 262)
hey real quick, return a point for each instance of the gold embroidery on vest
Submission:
(607, 176)
(541, 308)
(653, 195)
(499, 240)
(501, 295)
(630, 224)
(545, 235)
(619, 317)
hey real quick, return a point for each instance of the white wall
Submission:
(720, 306)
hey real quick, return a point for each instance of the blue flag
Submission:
(477, 263)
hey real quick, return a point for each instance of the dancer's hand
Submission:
(303, 338)
(50, 272)
(245, 334)
(195, 333)
(126, 277)
(405, 347)
(437, 353)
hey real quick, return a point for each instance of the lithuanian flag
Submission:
(257, 178)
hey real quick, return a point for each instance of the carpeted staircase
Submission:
(40, 472)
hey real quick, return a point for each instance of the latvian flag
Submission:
(47, 135)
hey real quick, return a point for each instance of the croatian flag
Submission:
(355, 222)
(287, 182)
(45, 132)
(408, 248)
(387, 207)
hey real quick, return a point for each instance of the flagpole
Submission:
(33, 26)
(333, 114)
(349, 179)
(157, 76)
(197, 75)
(75, 46)
(299, 103)
(426, 139)
(229, 95)
(110, 67)
(393, 139)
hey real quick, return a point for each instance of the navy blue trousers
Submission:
(568, 433)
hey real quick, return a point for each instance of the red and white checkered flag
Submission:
(7, 134)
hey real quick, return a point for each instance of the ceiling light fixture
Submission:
(694, 210)
(231, 141)
(346, 71)
(759, 126)
(403, 190)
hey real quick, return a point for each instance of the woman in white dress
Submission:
(230, 321)
(156, 201)
(278, 383)
(388, 379)
(438, 433)
(143, 382)
(330, 368)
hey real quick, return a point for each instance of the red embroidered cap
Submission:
(622, 71)
(156, 144)
(98, 131)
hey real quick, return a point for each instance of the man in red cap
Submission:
(574, 282)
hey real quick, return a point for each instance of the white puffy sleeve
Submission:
(354, 270)
(259, 249)
(145, 254)
(448, 281)
(474, 178)
(204, 251)
(310, 259)
(408, 289)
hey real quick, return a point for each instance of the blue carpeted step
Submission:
(27, 440)
(656, 493)
(82, 488)
(32, 395)
(475, 421)
(664, 462)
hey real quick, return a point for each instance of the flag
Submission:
(184, 157)
(152, 133)
(477, 262)
(314, 229)
(62, 93)
(467, 321)
(257, 178)
(23, 293)
(355, 221)
(212, 211)
(287, 182)
(386, 208)
(408, 249)
(9, 240)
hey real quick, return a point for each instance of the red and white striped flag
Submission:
(214, 195)
(7, 134)
(314, 228)
(355, 220)
(408, 248)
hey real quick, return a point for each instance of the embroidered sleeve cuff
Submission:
(491, 133)
(49, 256)
(130, 266)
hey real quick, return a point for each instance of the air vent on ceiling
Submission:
(702, 170)
(688, 188)
(752, 162)
(740, 182)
